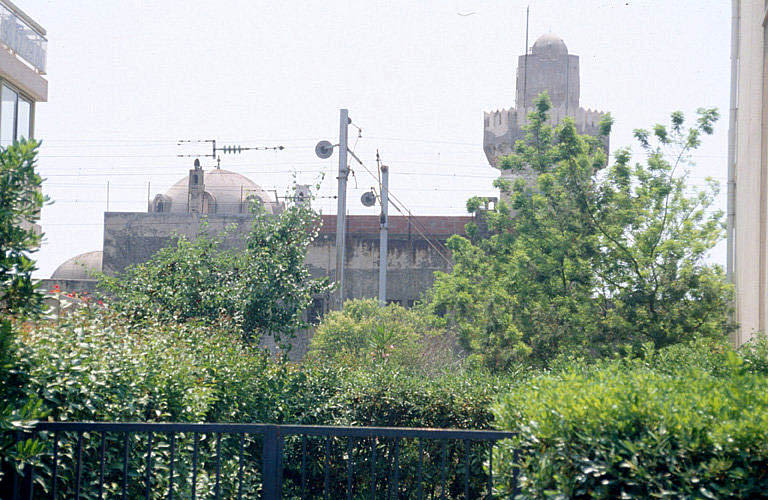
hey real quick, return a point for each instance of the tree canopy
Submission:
(263, 288)
(591, 257)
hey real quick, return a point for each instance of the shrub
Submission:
(21, 199)
(389, 397)
(365, 333)
(630, 431)
(92, 366)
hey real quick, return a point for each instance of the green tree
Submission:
(585, 258)
(261, 289)
(21, 200)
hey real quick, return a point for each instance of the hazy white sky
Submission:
(129, 78)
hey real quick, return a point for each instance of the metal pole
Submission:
(731, 203)
(383, 230)
(341, 209)
(525, 59)
(107, 196)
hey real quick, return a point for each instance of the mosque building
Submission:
(416, 244)
(416, 247)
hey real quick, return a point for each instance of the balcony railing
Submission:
(23, 36)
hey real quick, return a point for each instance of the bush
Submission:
(366, 334)
(625, 430)
(21, 199)
(399, 398)
(91, 366)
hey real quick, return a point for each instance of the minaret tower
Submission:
(548, 67)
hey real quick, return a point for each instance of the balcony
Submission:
(23, 37)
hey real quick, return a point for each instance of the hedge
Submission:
(635, 430)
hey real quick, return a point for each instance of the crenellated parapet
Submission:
(503, 128)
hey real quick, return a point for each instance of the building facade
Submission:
(22, 71)
(416, 246)
(547, 68)
(23, 49)
(747, 264)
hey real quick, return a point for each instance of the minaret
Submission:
(196, 189)
(549, 67)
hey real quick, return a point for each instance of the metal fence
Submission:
(170, 460)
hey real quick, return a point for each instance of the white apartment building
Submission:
(748, 167)
(22, 70)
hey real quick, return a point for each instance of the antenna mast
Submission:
(215, 150)
(525, 59)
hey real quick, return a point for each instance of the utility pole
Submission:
(341, 210)
(383, 230)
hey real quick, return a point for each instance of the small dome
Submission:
(228, 191)
(80, 267)
(549, 46)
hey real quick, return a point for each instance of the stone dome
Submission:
(228, 191)
(79, 267)
(549, 46)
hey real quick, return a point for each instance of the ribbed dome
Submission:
(549, 46)
(79, 267)
(228, 189)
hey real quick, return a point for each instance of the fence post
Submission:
(271, 452)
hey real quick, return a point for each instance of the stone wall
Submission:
(69, 286)
(133, 237)
(130, 238)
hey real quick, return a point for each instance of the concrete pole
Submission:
(341, 209)
(383, 229)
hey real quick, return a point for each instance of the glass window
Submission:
(7, 116)
(22, 121)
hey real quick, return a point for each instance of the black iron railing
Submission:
(170, 460)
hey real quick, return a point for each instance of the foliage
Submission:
(93, 366)
(625, 430)
(392, 397)
(586, 259)
(21, 200)
(278, 286)
(263, 289)
(365, 333)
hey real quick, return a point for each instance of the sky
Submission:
(128, 79)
